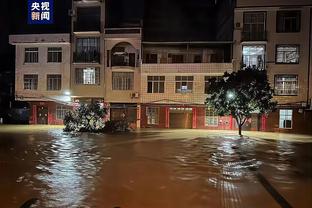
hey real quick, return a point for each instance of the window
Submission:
(123, 80)
(285, 119)
(87, 50)
(61, 111)
(286, 84)
(31, 55)
(198, 59)
(253, 56)
(54, 82)
(176, 58)
(288, 21)
(207, 82)
(254, 26)
(211, 118)
(30, 82)
(55, 55)
(88, 76)
(151, 58)
(287, 54)
(184, 84)
(152, 114)
(155, 84)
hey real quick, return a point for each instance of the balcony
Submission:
(216, 68)
(254, 36)
(87, 57)
(123, 60)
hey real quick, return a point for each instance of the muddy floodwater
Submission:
(149, 169)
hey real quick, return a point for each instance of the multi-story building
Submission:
(276, 36)
(163, 84)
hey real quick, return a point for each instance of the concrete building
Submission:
(161, 84)
(276, 36)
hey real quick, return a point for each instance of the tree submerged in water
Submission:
(240, 94)
(86, 118)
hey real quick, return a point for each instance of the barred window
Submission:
(31, 55)
(54, 82)
(152, 114)
(123, 80)
(287, 54)
(286, 84)
(55, 55)
(285, 119)
(88, 76)
(61, 111)
(211, 118)
(288, 21)
(30, 81)
(184, 84)
(155, 84)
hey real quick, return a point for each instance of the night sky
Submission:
(163, 20)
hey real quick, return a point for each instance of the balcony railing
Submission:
(87, 57)
(254, 36)
(123, 60)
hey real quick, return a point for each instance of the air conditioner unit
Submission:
(135, 95)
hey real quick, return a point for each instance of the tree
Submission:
(241, 93)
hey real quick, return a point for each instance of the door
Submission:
(42, 115)
(182, 120)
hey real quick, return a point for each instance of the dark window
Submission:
(54, 82)
(176, 58)
(197, 59)
(184, 84)
(87, 50)
(254, 28)
(155, 84)
(55, 55)
(31, 55)
(151, 58)
(287, 54)
(288, 21)
(30, 82)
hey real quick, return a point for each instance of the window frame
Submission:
(284, 11)
(55, 52)
(285, 45)
(79, 76)
(264, 54)
(181, 81)
(35, 53)
(214, 116)
(60, 109)
(156, 81)
(155, 115)
(35, 84)
(275, 84)
(285, 119)
(122, 81)
(51, 78)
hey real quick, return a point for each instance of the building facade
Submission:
(276, 36)
(163, 84)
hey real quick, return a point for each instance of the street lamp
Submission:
(230, 95)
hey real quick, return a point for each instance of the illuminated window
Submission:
(253, 56)
(211, 118)
(152, 114)
(123, 80)
(285, 119)
(30, 82)
(88, 76)
(54, 82)
(155, 84)
(61, 111)
(55, 55)
(184, 84)
(286, 85)
(287, 54)
(31, 55)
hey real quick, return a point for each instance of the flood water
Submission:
(148, 170)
